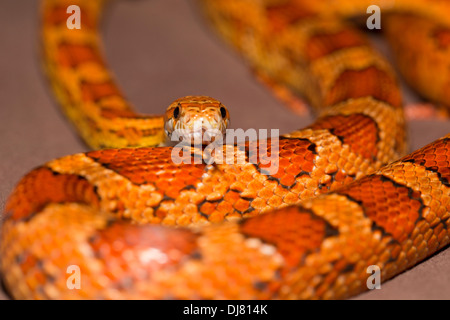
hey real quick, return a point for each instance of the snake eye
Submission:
(176, 112)
(223, 112)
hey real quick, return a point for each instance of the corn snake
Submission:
(267, 248)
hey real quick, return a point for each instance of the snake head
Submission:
(196, 119)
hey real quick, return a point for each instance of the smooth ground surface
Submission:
(160, 50)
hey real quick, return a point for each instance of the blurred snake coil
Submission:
(345, 196)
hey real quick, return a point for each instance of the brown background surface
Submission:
(159, 50)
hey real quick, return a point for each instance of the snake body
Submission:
(334, 206)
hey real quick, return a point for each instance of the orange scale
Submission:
(205, 189)
(430, 163)
(402, 207)
(232, 196)
(410, 227)
(265, 192)
(226, 179)
(259, 204)
(177, 183)
(249, 194)
(242, 205)
(286, 153)
(445, 169)
(297, 159)
(392, 197)
(172, 192)
(215, 217)
(279, 174)
(441, 163)
(284, 162)
(245, 177)
(291, 198)
(225, 207)
(300, 151)
(412, 217)
(138, 179)
(152, 177)
(215, 196)
(270, 183)
(195, 174)
(293, 169)
(118, 158)
(208, 208)
(377, 193)
(309, 185)
(400, 218)
(433, 241)
(441, 235)
(162, 184)
(189, 209)
(287, 146)
(177, 213)
(309, 156)
(275, 201)
(255, 184)
(399, 235)
(307, 166)
(340, 176)
(287, 180)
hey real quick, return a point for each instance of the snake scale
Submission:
(336, 205)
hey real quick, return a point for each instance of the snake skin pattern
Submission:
(334, 207)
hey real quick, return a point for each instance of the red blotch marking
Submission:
(282, 16)
(97, 91)
(362, 83)
(42, 186)
(295, 157)
(133, 252)
(435, 157)
(293, 231)
(73, 55)
(151, 166)
(321, 45)
(391, 206)
(358, 131)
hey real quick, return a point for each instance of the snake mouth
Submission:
(202, 136)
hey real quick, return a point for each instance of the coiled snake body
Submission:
(333, 208)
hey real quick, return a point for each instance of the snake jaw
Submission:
(202, 135)
(168, 129)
